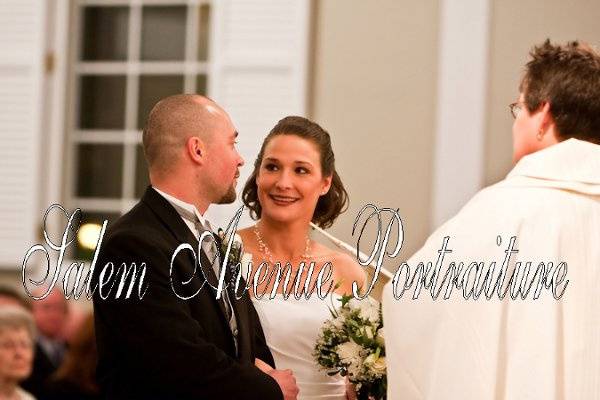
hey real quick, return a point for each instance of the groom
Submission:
(179, 341)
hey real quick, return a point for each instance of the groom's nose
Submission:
(240, 160)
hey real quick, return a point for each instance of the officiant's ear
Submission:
(543, 116)
(545, 120)
(196, 149)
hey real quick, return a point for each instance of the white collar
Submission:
(572, 165)
(185, 210)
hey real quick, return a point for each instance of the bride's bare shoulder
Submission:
(346, 268)
(245, 233)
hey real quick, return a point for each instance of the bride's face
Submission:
(290, 180)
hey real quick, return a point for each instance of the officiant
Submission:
(550, 201)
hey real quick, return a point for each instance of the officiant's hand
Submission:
(286, 381)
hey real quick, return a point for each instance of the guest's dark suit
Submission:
(42, 369)
(162, 347)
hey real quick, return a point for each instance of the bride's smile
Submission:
(283, 200)
(290, 180)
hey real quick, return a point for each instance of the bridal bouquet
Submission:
(351, 344)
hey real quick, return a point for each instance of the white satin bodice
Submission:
(291, 328)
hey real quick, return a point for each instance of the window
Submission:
(248, 55)
(126, 55)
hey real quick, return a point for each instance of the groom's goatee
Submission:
(229, 197)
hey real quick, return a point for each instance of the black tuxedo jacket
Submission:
(163, 347)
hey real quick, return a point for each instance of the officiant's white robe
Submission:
(511, 349)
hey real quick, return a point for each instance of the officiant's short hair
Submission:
(331, 204)
(568, 78)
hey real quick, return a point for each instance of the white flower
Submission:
(349, 352)
(375, 364)
(380, 337)
(237, 242)
(354, 303)
(368, 309)
(379, 366)
(370, 360)
(237, 239)
(338, 322)
(245, 261)
(355, 369)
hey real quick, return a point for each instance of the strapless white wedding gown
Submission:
(291, 328)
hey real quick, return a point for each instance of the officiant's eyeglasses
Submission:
(515, 109)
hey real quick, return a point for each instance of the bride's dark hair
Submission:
(331, 204)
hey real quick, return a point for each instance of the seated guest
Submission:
(511, 345)
(16, 351)
(10, 296)
(76, 378)
(50, 315)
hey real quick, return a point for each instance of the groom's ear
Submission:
(195, 148)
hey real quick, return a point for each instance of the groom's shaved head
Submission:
(171, 122)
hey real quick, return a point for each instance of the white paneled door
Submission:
(259, 71)
(22, 24)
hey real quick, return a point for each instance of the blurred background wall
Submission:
(371, 73)
(374, 89)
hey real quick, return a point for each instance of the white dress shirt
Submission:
(195, 222)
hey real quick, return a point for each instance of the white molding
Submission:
(270, 65)
(37, 115)
(73, 106)
(215, 35)
(191, 49)
(131, 100)
(302, 55)
(132, 136)
(103, 205)
(464, 37)
(56, 138)
(137, 2)
(140, 67)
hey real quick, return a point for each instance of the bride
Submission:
(293, 183)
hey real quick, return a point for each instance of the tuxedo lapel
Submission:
(173, 222)
(245, 336)
(168, 216)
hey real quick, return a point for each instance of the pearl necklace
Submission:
(264, 249)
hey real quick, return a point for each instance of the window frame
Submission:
(132, 68)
